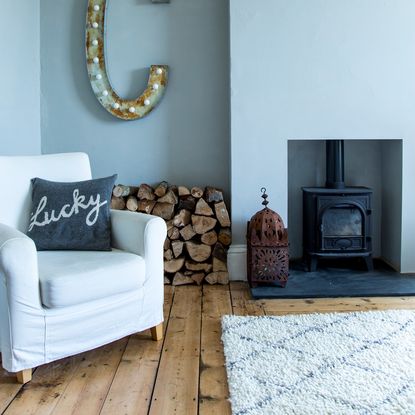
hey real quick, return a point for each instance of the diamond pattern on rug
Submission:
(338, 363)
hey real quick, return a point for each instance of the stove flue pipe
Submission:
(335, 164)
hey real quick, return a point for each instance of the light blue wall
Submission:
(304, 69)
(186, 139)
(19, 74)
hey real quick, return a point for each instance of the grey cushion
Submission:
(71, 215)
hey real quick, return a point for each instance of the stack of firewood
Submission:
(198, 229)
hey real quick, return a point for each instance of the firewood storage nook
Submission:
(198, 229)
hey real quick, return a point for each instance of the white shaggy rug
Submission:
(339, 363)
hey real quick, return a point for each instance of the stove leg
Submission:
(369, 262)
(312, 263)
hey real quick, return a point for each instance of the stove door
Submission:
(342, 228)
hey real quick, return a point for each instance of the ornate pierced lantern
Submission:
(267, 245)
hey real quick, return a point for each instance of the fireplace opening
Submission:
(337, 218)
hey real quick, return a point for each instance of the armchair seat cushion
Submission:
(73, 277)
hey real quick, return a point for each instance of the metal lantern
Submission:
(267, 247)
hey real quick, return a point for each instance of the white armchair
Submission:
(55, 304)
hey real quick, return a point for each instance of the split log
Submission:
(213, 195)
(219, 252)
(219, 265)
(124, 191)
(177, 248)
(198, 277)
(212, 278)
(225, 236)
(198, 252)
(217, 278)
(181, 279)
(196, 192)
(161, 189)
(183, 191)
(167, 244)
(117, 203)
(132, 203)
(166, 281)
(145, 192)
(174, 189)
(209, 238)
(222, 214)
(187, 232)
(203, 224)
(146, 206)
(198, 266)
(223, 278)
(164, 210)
(202, 208)
(187, 202)
(173, 233)
(169, 197)
(173, 265)
(192, 218)
(168, 254)
(182, 218)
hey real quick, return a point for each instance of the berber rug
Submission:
(337, 363)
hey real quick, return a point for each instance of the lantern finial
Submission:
(264, 196)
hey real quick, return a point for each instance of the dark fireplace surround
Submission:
(336, 218)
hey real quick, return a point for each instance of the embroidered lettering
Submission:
(67, 210)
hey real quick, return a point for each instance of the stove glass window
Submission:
(342, 221)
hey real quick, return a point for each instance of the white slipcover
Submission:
(75, 277)
(44, 314)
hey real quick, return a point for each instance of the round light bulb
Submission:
(146, 102)
(96, 60)
(105, 93)
(159, 71)
(96, 7)
(131, 109)
(95, 42)
(99, 76)
(95, 25)
(156, 87)
(116, 105)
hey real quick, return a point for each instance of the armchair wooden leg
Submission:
(24, 376)
(157, 332)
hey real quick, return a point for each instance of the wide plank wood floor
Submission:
(183, 374)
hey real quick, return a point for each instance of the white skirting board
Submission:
(237, 263)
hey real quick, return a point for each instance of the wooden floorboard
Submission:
(329, 305)
(242, 302)
(132, 387)
(177, 383)
(213, 391)
(8, 389)
(183, 374)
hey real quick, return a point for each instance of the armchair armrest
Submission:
(19, 268)
(138, 233)
(144, 235)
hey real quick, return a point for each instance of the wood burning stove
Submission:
(336, 218)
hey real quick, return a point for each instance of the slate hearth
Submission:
(334, 280)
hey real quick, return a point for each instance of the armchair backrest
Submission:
(15, 186)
